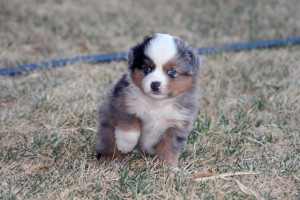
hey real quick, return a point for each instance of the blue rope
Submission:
(251, 45)
(98, 58)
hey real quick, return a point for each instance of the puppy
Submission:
(153, 106)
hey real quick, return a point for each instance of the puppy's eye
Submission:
(171, 72)
(147, 69)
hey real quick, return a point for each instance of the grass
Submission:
(249, 116)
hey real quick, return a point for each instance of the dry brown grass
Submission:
(249, 119)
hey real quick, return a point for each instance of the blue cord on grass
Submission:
(251, 45)
(98, 58)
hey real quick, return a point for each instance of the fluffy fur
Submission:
(153, 106)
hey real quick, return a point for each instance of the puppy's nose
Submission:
(155, 86)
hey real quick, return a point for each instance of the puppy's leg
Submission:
(164, 150)
(127, 134)
(106, 146)
(169, 147)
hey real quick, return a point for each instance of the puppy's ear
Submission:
(130, 57)
(193, 59)
(189, 55)
(137, 53)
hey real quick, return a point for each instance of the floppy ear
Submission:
(130, 57)
(193, 59)
(136, 53)
(189, 55)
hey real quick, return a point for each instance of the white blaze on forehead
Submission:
(161, 49)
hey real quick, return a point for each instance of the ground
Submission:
(249, 118)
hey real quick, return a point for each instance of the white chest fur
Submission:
(157, 115)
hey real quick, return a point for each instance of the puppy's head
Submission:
(163, 66)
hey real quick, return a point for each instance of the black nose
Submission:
(155, 86)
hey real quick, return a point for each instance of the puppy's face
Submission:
(163, 66)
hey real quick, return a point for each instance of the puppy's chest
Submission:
(157, 115)
(155, 119)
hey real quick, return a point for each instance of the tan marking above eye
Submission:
(169, 65)
(149, 63)
(172, 64)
